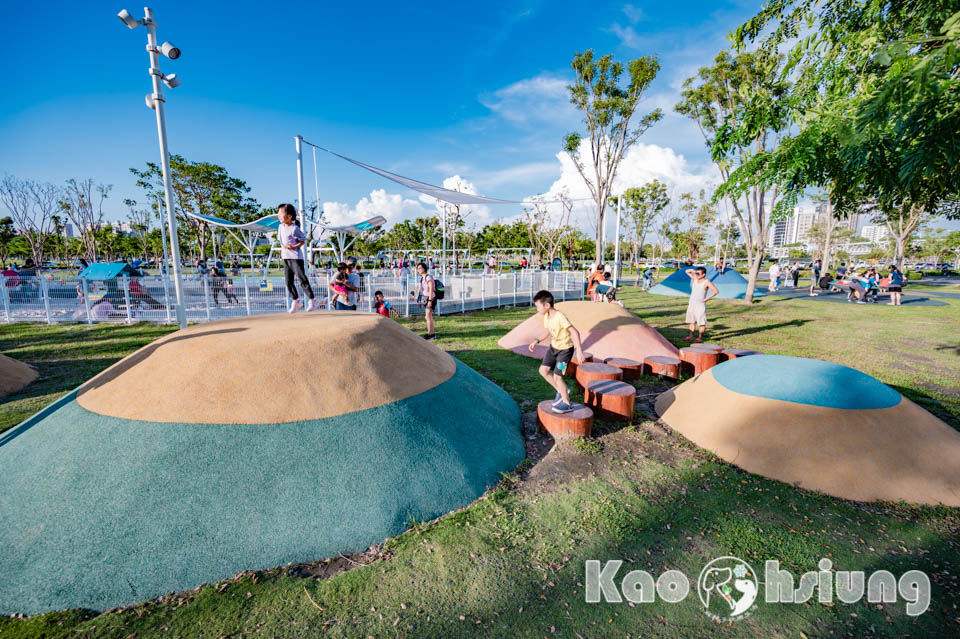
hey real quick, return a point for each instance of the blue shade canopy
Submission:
(108, 271)
(804, 381)
(266, 224)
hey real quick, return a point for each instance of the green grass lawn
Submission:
(512, 564)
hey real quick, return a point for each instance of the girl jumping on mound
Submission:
(291, 238)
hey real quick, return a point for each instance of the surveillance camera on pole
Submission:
(155, 101)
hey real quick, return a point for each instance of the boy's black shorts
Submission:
(554, 357)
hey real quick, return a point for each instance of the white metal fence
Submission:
(52, 299)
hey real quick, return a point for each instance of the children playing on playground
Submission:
(697, 306)
(380, 305)
(564, 345)
(291, 238)
(648, 278)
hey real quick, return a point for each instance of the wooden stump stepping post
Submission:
(734, 353)
(632, 369)
(698, 360)
(595, 370)
(662, 365)
(576, 423)
(572, 366)
(712, 347)
(611, 399)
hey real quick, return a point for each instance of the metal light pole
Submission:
(163, 241)
(155, 101)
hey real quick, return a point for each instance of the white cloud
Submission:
(392, 206)
(532, 101)
(641, 164)
(634, 14)
(629, 37)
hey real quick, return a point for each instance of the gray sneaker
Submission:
(561, 408)
(556, 399)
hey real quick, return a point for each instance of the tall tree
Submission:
(139, 219)
(32, 206)
(641, 205)
(608, 109)
(876, 98)
(8, 231)
(83, 204)
(200, 187)
(742, 94)
(547, 226)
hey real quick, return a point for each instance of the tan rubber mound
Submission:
(269, 369)
(889, 454)
(14, 375)
(607, 330)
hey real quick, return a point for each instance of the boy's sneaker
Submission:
(295, 306)
(312, 305)
(556, 400)
(561, 408)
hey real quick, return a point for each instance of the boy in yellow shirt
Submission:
(565, 341)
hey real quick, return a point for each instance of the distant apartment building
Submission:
(796, 228)
(875, 233)
(68, 230)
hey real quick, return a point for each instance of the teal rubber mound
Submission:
(101, 511)
(729, 283)
(804, 381)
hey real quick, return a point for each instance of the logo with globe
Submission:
(727, 588)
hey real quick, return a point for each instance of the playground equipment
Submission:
(14, 375)
(607, 330)
(819, 425)
(206, 453)
(729, 283)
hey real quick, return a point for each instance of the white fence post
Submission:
(6, 298)
(463, 293)
(246, 294)
(206, 294)
(515, 285)
(86, 299)
(532, 276)
(405, 289)
(483, 292)
(126, 297)
(499, 277)
(566, 279)
(45, 295)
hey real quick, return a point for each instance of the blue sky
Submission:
(428, 90)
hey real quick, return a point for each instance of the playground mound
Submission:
(819, 425)
(104, 510)
(607, 330)
(235, 371)
(14, 375)
(730, 284)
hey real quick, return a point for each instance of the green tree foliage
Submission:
(738, 105)
(608, 109)
(200, 187)
(876, 102)
(641, 206)
(7, 234)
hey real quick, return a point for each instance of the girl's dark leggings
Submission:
(294, 268)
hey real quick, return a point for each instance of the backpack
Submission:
(438, 288)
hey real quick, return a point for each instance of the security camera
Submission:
(151, 103)
(169, 50)
(172, 81)
(128, 19)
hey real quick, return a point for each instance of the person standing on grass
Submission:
(774, 277)
(427, 297)
(697, 306)
(564, 344)
(291, 238)
(896, 286)
(815, 278)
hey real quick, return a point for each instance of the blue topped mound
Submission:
(804, 381)
(729, 283)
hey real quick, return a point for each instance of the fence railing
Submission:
(151, 298)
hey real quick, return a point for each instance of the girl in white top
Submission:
(697, 306)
